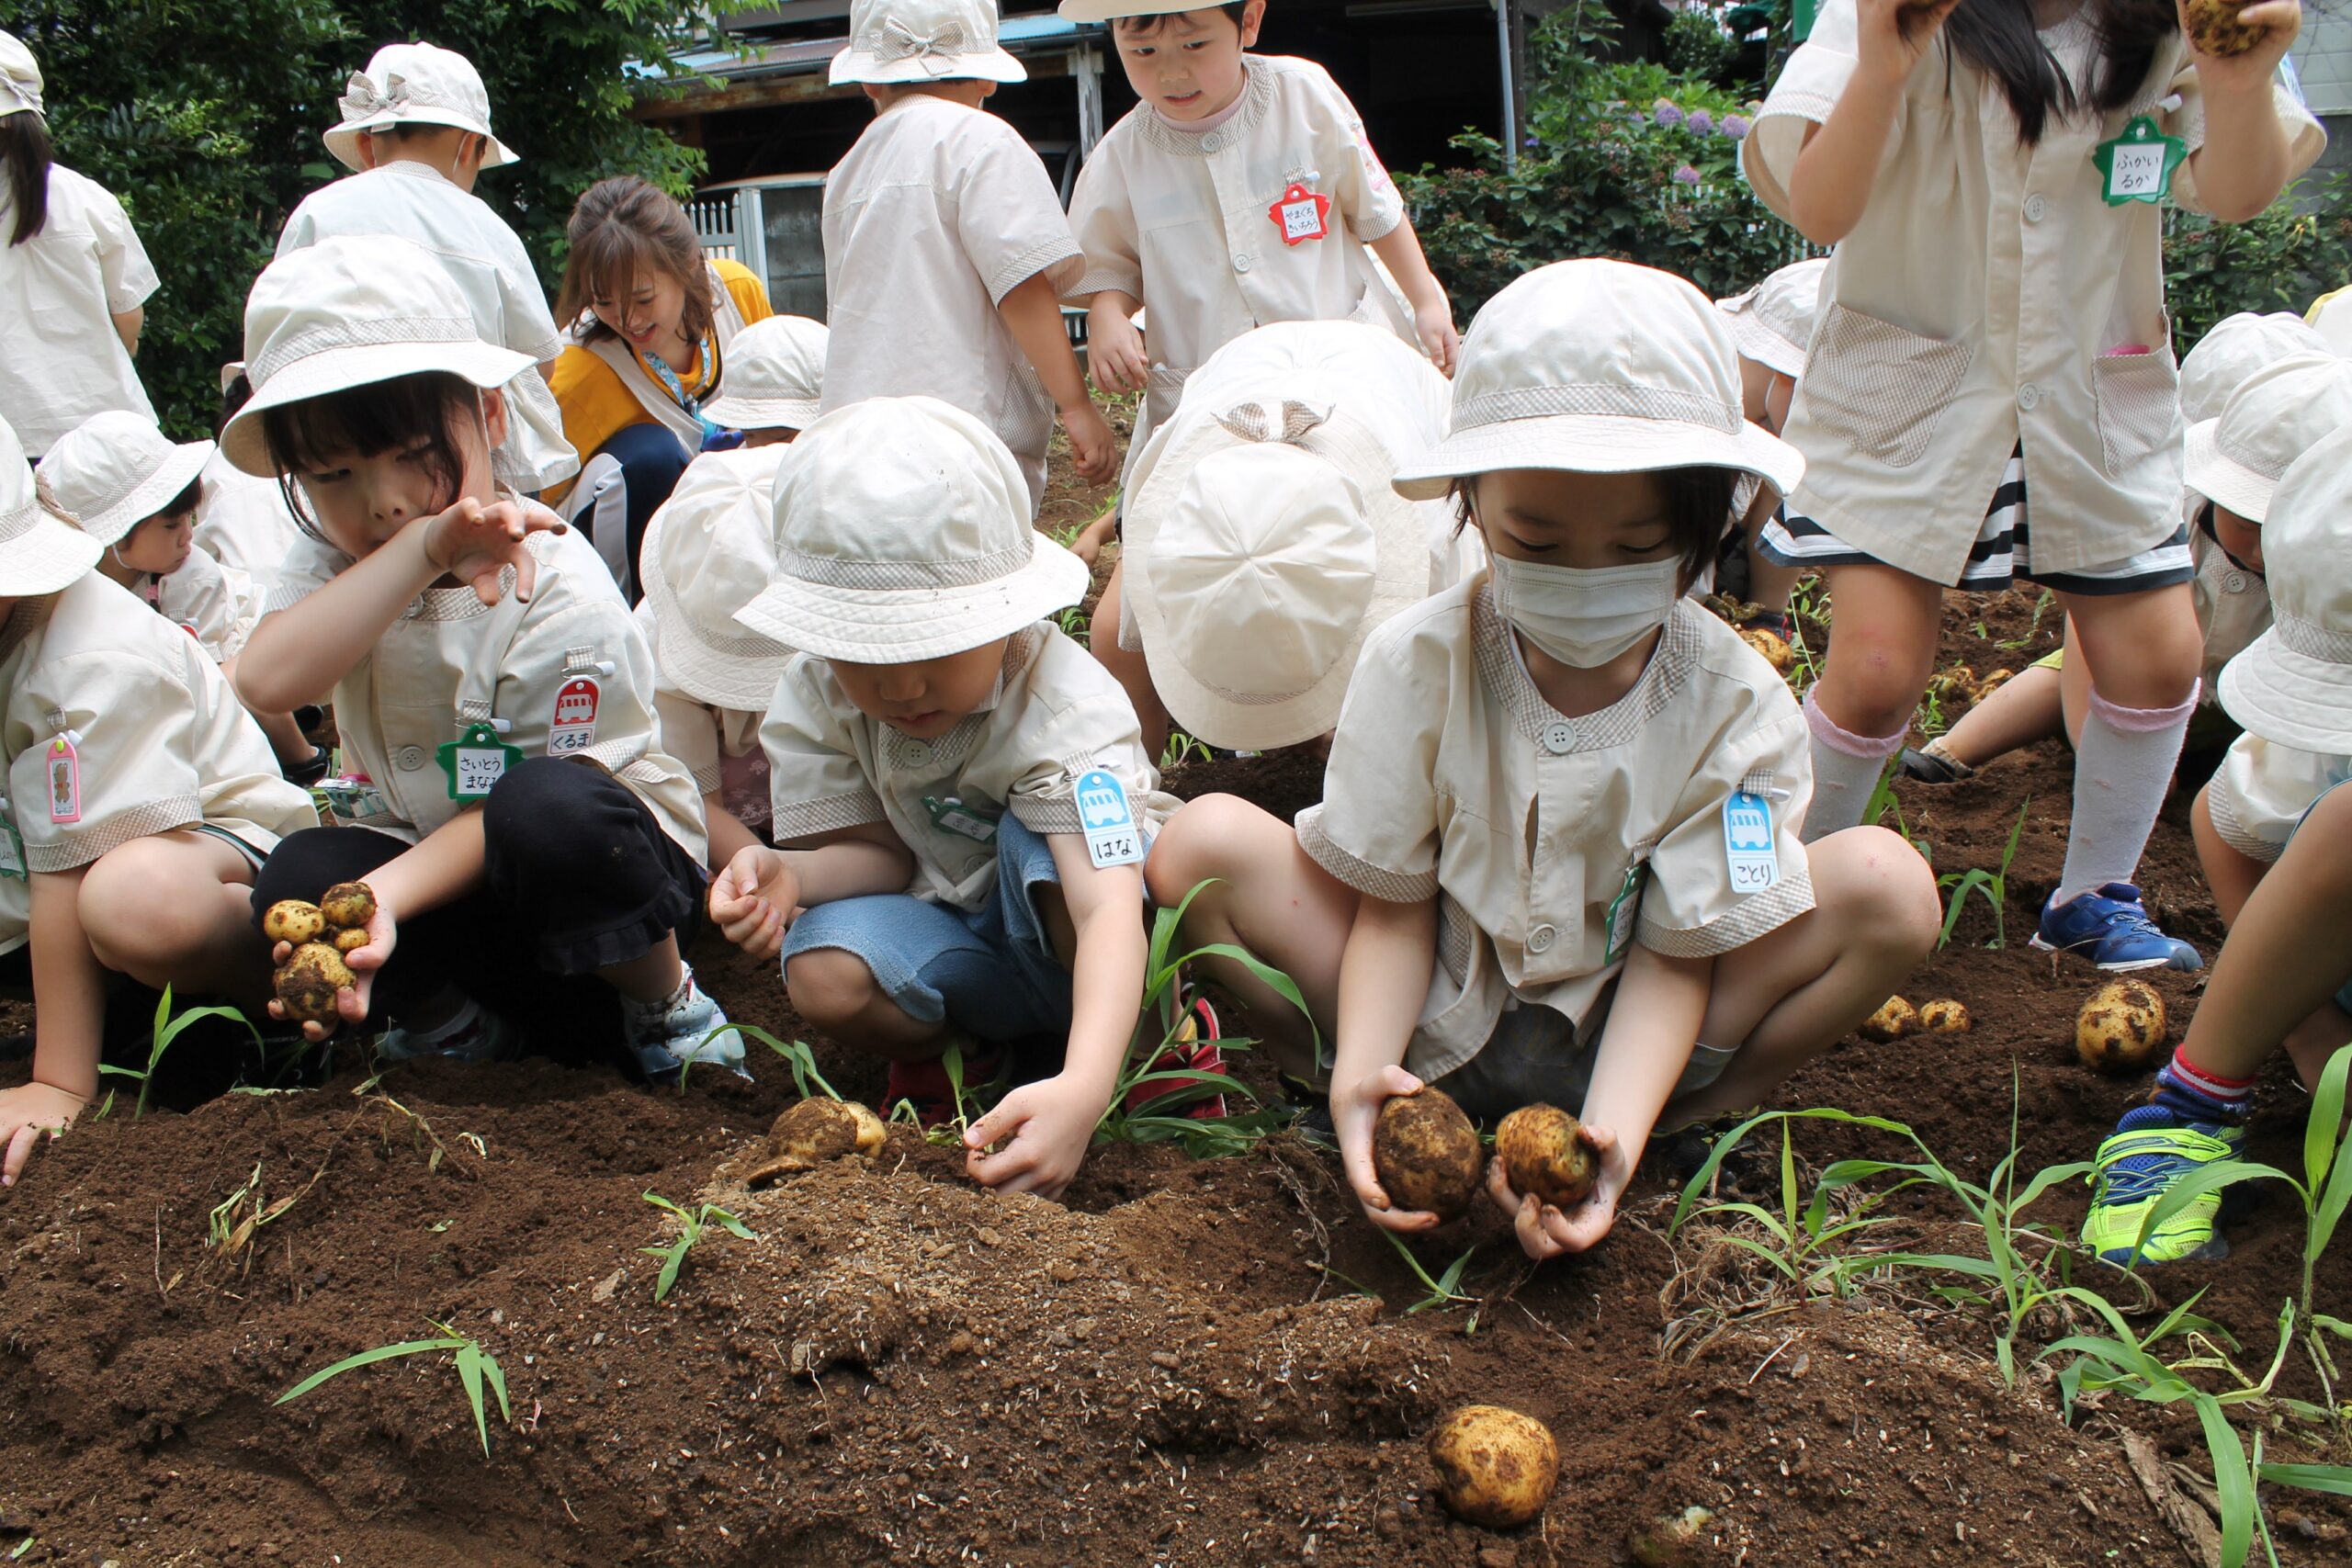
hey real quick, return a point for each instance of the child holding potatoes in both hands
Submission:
(140, 802)
(1556, 860)
(522, 830)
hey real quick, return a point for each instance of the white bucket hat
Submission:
(902, 534)
(1772, 322)
(40, 552)
(775, 374)
(709, 551)
(2273, 419)
(923, 41)
(414, 83)
(114, 470)
(1110, 10)
(2333, 322)
(1263, 547)
(1601, 367)
(20, 82)
(2293, 685)
(347, 313)
(2234, 350)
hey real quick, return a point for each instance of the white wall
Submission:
(2324, 57)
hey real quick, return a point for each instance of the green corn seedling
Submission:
(475, 1365)
(167, 1030)
(694, 1221)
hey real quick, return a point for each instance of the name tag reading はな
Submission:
(1109, 823)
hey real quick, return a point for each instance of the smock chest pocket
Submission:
(2139, 406)
(1880, 387)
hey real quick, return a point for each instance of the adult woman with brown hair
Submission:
(650, 322)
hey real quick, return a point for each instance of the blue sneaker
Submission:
(2110, 928)
(2136, 1167)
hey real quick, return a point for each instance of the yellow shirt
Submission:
(596, 406)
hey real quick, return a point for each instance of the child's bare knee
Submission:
(137, 913)
(830, 987)
(1195, 843)
(1886, 892)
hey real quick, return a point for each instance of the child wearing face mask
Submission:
(485, 675)
(1556, 855)
(415, 134)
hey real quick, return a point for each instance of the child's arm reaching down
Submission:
(1399, 250)
(1033, 313)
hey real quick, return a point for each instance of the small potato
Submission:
(1546, 1151)
(1993, 682)
(292, 920)
(308, 981)
(351, 939)
(2214, 26)
(815, 1131)
(1494, 1467)
(348, 905)
(2120, 1027)
(1771, 645)
(1896, 1019)
(1427, 1154)
(1957, 682)
(1945, 1017)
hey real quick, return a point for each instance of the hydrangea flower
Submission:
(1701, 121)
(1734, 126)
(1686, 175)
(1666, 113)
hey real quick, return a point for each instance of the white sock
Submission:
(1845, 770)
(662, 1005)
(2122, 769)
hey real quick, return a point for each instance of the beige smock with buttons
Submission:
(1976, 305)
(1055, 713)
(1183, 221)
(450, 661)
(161, 742)
(2232, 603)
(1553, 844)
(2261, 790)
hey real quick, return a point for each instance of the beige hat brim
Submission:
(986, 65)
(906, 625)
(1110, 10)
(1761, 344)
(2289, 698)
(342, 140)
(2222, 479)
(1599, 444)
(738, 672)
(763, 413)
(42, 553)
(338, 369)
(1400, 578)
(151, 495)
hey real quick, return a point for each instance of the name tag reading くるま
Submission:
(2138, 165)
(476, 762)
(1747, 843)
(574, 727)
(1301, 214)
(1112, 837)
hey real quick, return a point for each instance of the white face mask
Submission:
(1585, 619)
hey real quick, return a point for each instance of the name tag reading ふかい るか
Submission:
(1747, 843)
(2138, 165)
(1112, 837)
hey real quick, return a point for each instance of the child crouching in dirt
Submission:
(1557, 856)
(523, 830)
(962, 797)
(2274, 833)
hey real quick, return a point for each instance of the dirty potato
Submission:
(348, 905)
(1993, 682)
(1426, 1153)
(1771, 645)
(2214, 26)
(308, 981)
(815, 1131)
(351, 939)
(1547, 1152)
(1896, 1019)
(2120, 1027)
(1494, 1467)
(292, 921)
(1945, 1017)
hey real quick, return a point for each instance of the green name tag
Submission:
(2138, 165)
(475, 762)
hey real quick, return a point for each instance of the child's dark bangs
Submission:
(379, 417)
(1158, 22)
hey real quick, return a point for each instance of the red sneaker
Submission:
(925, 1084)
(1194, 1050)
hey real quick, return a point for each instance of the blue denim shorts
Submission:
(990, 972)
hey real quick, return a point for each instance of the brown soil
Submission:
(1177, 1366)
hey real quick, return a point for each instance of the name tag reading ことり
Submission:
(476, 762)
(1747, 843)
(1108, 821)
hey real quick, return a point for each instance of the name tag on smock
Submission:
(1108, 821)
(1747, 843)
(476, 762)
(2138, 165)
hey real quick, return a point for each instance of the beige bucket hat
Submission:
(20, 83)
(902, 534)
(923, 41)
(1110, 10)
(114, 470)
(2234, 350)
(414, 83)
(2293, 684)
(40, 551)
(1263, 547)
(775, 376)
(348, 312)
(2276, 416)
(1603, 367)
(709, 551)
(2333, 322)
(1772, 322)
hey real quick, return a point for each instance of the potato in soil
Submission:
(348, 905)
(1494, 1467)
(1945, 1016)
(2120, 1027)
(1893, 1020)
(308, 981)
(815, 1131)
(1771, 645)
(1426, 1153)
(2215, 27)
(1546, 1151)
(292, 921)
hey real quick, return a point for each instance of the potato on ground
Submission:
(1546, 1152)
(1771, 645)
(1945, 1016)
(1427, 1154)
(1893, 1020)
(308, 981)
(815, 1131)
(1495, 1466)
(2120, 1027)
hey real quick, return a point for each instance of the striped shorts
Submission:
(2003, 552)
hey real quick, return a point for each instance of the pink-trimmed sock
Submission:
(1845, 770)
(2122, 769)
